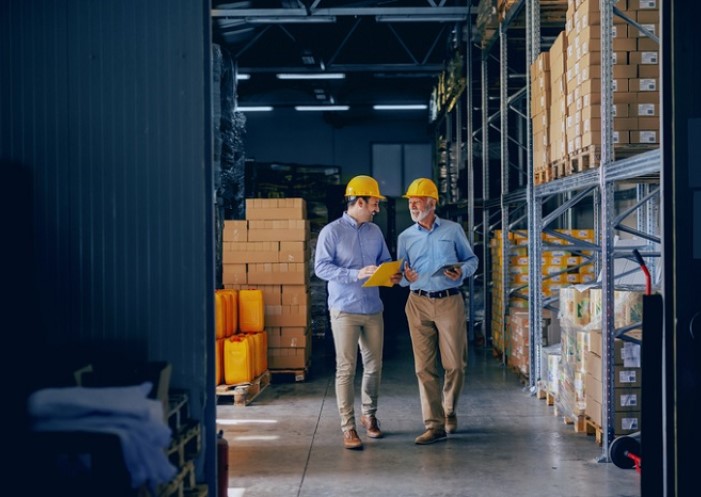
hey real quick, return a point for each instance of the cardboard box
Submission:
(289, 358)
(644, 136)
(294, 252)
(244, 252)
(276, 208)
(626, 423)
(235, 231)
(627, 377)
(627, 399)
(283, 273)
(295, 295)
(234, 274)
(294, 230)
(288, 337)
(287, 315)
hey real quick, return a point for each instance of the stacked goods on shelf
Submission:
(574, 318)
(576, 97)
(518, 342)
(540, 115)
(551, 360)
(558, 268)
(581, 385)
(627, 398)
(487, 22)
(271, 253)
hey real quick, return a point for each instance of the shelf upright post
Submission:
(470, 165)
(485, 197)
(535, 300)
(504, 131)
(606, 187)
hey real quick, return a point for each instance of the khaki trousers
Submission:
(438, 325)
(349, 332)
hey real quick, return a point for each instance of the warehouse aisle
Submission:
(288, 441)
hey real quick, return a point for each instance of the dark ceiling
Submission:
(391, 52)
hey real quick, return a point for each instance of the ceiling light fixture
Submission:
(422, 18)
(254, 108)
(400, 106)
(242, 76)
(290, 19)
(322, 75)
(321, 107)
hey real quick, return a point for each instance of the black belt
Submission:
(437, 295)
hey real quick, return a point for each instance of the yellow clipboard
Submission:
(381, 277)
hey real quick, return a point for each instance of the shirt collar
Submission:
(349, 219)
(436, 224)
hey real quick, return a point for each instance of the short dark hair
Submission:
(352, 200)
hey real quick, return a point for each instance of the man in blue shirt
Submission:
(437, 258)
(348, 251)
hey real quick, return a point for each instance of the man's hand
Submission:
(366, 272)
(453, 273)
(410, 275)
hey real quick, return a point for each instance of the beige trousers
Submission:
(438, 326)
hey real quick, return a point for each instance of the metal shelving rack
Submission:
(600, 184)
(516, 201)
(596, 185)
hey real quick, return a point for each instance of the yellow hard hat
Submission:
(422, 187)
(363, 186)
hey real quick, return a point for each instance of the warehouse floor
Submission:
(287, 442)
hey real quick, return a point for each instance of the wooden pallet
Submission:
(560, 168)
(623, 151)
(542, 176)
(586, 158)
(593, 429)
(577, 422)
(244, 393)
(291, 374)
(186, 443)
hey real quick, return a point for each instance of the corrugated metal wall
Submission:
(105, 104)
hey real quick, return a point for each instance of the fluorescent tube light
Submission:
(421, 18)
(320, 75)
(242, 76)
(400, 106)
(290, 19)
(254, 108)
(321, 107)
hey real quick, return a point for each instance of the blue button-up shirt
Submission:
(426, 252)
(342, 250)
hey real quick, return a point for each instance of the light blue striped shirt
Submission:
(427, 251)
(343, 248)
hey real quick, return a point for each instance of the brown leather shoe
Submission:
(351, 440)
(431, 436)
(372, 426)
(451, 423)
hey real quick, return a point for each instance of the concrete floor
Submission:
(288, 441)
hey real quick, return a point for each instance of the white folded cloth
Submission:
(126, 412)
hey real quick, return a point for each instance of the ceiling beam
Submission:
(421, 13)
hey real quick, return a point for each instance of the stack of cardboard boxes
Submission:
(270, 251)
(573, 98)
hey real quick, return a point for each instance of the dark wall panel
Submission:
(106, 106)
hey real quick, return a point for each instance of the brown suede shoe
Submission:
(351, 440)
(431, 436)
(451, 423)
(372, 426)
